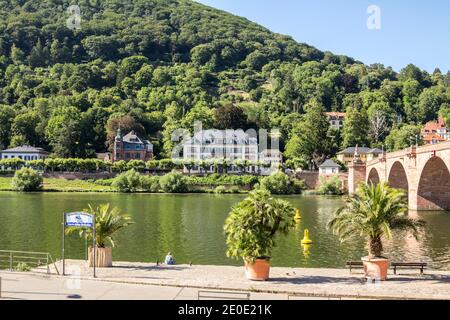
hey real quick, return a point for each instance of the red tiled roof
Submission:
(433, 126)
(336, 114)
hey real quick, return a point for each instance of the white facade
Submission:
(25, 153)
(328, 168)
(271, 158)
(225, 146)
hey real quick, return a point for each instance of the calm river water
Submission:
(191, 227)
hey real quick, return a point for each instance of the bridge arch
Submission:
(433, 192)
(397, 177)
(374, 177)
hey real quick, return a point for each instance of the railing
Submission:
(12, 260)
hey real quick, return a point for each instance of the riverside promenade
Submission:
(127, 280)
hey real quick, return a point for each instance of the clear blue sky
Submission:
(414, 31)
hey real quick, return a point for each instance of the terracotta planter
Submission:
(375, 268)
(103, 257)
(258, 271)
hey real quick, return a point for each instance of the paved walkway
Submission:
(148, 281)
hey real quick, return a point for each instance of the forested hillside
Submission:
(157, 65)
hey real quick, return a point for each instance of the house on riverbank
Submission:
(237, 149)
(26, 153)
(131, 147)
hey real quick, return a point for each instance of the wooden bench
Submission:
(409, 265)
(394, 265)
(354, 265)
(222, 295)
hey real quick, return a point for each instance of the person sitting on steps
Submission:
(169, 259)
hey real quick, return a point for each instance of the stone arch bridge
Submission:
(423, 172)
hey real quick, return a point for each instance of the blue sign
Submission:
(79, 220)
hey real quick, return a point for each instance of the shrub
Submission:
(129, 181)
(22, 267)
(330, 186)
(150, 184)
(173, 182)
(280, 183)
(26, 179)
(220, 189)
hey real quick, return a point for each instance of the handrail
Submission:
(13, 257)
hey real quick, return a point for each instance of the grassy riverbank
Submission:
(62, 185)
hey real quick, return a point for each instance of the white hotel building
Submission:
(26, 153)
(230, 146)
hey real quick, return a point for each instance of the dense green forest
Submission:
(157, 65)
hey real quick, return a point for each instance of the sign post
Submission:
(78, 220)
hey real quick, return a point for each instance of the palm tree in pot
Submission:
(373, 212)
(108, 221)
(251, 228)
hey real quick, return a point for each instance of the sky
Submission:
(414, 31)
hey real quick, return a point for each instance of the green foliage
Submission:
(280, 183)
(253, 223)
(150, 184)
(403, 137)
(174, 182)
(22, 267)
(220, 189)
(330, 186)
(26, 180)
(108, 221)
(68, 91)
(373, 212)
(309, 137)
(223, 179)
(129, 181)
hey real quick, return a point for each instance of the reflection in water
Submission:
(191, 226)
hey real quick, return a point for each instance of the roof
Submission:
(329, 164)
(237, 136)
(336, 114)
(361, 150)
(132, 137)
(433, 126)
(25, 149)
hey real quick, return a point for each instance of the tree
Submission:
(356, 128)
(403, 137)
(6, 117)
(230, 117)
(173, 182)
(429, 104)
(252, 224)
(26, 180)
(373, 212)
(411, 91)
(280, 183)
(309, 137)
(380, 120)
(127, 182)
(108, 221)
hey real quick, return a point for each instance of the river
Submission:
(190, 226)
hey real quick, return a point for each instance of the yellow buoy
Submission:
(306, 250)
(306, 239)
(297, 215)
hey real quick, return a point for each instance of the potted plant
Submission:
(251, 227)
(108, 220)
(373, 212)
